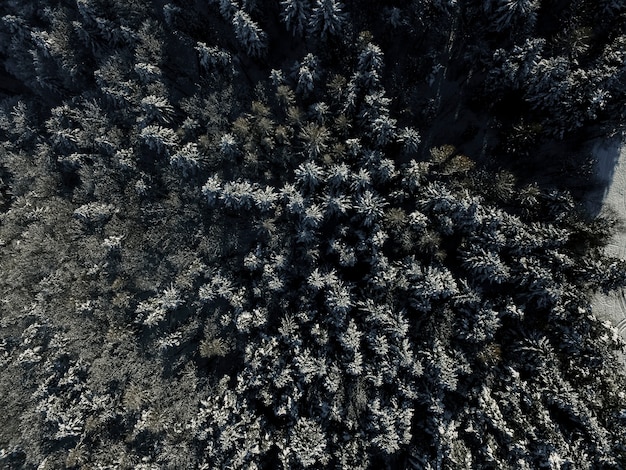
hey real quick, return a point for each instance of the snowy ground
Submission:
(611, 195)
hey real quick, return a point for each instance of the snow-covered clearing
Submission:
(611, 195)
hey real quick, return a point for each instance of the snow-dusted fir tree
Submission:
(305, 74)
(327, 18)
(249, 34)
(227, 8)
(159, 138)
(295, 14)
(212, 58)
(510, 14)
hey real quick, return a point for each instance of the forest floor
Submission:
(610, 195)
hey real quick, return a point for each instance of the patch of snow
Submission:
(610, 194)
(609, 174)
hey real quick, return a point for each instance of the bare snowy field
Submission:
(611, 195)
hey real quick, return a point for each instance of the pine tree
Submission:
(249, 34)
(328, 18)
(212, 58)
(306, 446)
(228, 8)
(295, 14)
(187, 159)
(314, 138)
(370, 206)
(512, 13)
(159, 138)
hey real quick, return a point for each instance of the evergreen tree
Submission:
(295, 14)
(249, 34)
(327, 18)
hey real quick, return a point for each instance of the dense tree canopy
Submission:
(306, 234)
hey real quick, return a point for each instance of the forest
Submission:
(308, 234)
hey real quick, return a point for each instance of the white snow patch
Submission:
(610, 158)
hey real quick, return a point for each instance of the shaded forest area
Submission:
(307, 234)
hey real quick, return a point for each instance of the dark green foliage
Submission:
(232, 236)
